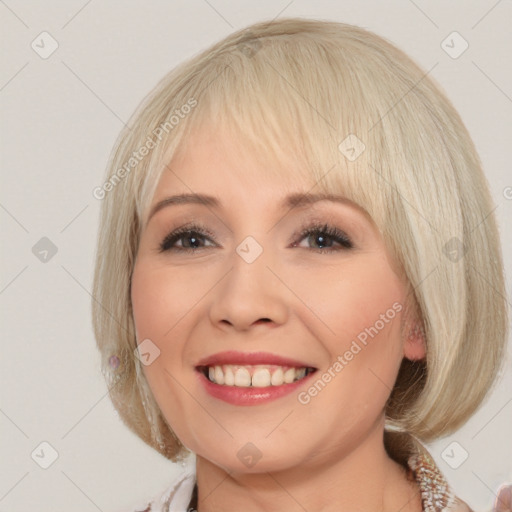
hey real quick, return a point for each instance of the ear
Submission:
(415, 347)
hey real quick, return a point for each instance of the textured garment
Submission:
(436, 495)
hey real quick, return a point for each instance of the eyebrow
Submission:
(291, 202)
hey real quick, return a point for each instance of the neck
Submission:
(362, 479)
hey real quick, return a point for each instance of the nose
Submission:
(248, 296)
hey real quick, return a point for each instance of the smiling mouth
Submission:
(254, 375)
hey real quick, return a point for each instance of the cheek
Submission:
(159, 311)
(359, 307)
(161, 299)
(363, 310)
(157, 308)
(146, 303)
(167, 305)
(352, 297)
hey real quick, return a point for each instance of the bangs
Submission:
(260, 94)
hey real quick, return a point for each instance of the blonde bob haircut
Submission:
(362, 119)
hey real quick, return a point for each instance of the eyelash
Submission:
(313, 229)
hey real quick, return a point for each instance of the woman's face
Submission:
(239, 289)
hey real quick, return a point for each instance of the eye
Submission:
(324, 238)
(192, 238)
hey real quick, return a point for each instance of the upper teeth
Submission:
(257, 376)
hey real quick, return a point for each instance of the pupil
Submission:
(320, 240)
(193, 241)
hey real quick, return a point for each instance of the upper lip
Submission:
(250, 358)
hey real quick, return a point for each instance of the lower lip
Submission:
(250, 395)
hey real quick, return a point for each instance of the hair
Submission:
(297, 88)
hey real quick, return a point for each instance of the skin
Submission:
(325, 455)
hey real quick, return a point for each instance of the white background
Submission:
(60, 118)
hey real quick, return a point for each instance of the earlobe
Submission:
(415, 347)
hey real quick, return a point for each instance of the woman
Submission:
(297, 271)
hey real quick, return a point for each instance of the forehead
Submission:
(220, 162)
(217, 169)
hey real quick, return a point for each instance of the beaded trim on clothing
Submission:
(436, 494)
